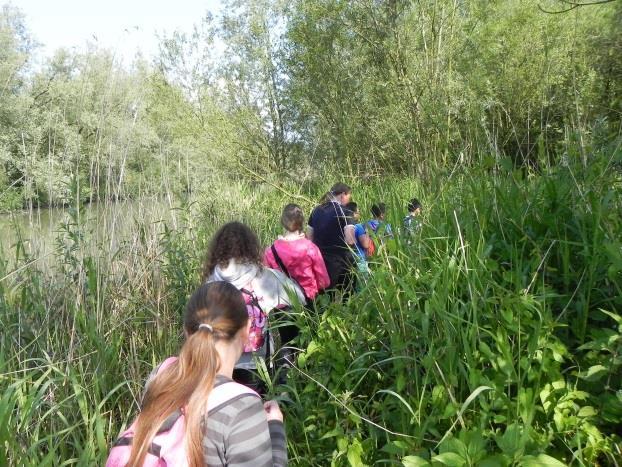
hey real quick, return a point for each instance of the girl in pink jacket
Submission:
(295, 255)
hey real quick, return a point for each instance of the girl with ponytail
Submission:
(217, 421)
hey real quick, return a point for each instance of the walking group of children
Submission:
(204, 407)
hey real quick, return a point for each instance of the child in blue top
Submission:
(411, 221)
(380, 228)
(362, 240)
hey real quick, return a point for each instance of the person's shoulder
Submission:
(270, 276)
(311, 248)
(320, 209)
(239, 400)
(316, 212)
(304, 241)
(268, 251)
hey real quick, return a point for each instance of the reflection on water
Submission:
(105, 224)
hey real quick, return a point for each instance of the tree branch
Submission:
(574, 5)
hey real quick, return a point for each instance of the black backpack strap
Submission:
(279, 261)
(154, 449)
(170, 421)
(253, 298)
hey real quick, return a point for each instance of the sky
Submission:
(125, 26)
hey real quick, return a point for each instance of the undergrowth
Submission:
(492, 337)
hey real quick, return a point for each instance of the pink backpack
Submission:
(168, 447)
(259, 322)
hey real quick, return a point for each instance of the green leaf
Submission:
(453, 445)
(594, 373)
(475, 445)
(542, 460)
(497, 460)
(395, 447)
(511, 441)
(401, 382)
(560, 384)
(617, 318)
(415, 461)
(587, 411)
(312, 348)
(332, 433)
(355, 451)
(400, 398)
(450, 459)
(342, 444)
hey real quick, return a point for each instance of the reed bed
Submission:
(491, 337)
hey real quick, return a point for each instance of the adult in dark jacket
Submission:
(331, 228)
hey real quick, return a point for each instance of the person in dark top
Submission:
(331, 228)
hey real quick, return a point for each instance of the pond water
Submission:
(105, 224)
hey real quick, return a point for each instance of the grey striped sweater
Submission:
(239, 435)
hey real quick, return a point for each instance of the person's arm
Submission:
(319, 268)
(309, 232)
(364, 240)
(277, 433)
(349, 235)
(251, 443)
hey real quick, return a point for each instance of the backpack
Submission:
(371, 233)
(371, 249)
(259, 322)
(168, 447)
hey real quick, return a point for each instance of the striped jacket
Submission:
(239, 435)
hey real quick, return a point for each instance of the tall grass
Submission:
(490, 338)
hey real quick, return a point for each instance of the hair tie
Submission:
(206, 326)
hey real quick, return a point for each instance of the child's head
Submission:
(292, 218)
(414, 206)
(378, 211)
(220, 306)
(354, 210)
(233, 241)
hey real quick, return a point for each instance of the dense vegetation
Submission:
(494, 338)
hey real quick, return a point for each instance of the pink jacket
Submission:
(303, 260)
